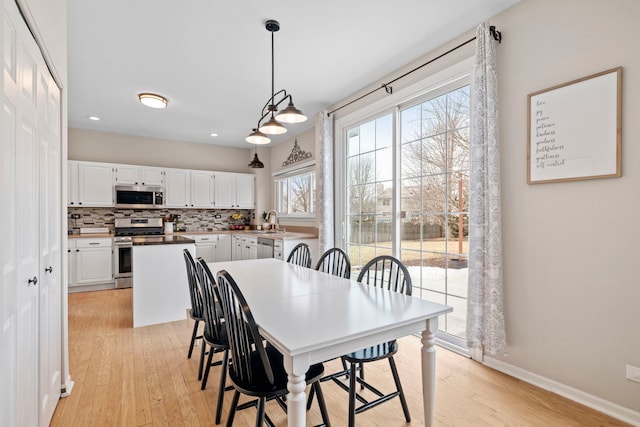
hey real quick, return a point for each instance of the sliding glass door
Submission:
(406, 179)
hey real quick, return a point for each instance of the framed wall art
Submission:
(575, 130)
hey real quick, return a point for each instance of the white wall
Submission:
(571, 249)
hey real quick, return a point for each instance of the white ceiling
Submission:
(212, 59)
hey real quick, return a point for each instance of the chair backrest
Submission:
(300, 255)
(194, 292)
(386, 272)
(242, 333)
(335, 261)
(213, 316)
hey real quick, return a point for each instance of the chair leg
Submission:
(260, 415)
(396, 378)
(194, 334)
(352, 395)
(361, 375)
(223, 381)
(232, 410)
(321, 403)
(310, 398)
(206, 370)
(202, 353)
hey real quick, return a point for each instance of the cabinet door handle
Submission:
(94, 243)
(77, 250)
(34, 280)
(79, 203)
(49, 270)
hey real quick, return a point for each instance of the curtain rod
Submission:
(497, 35)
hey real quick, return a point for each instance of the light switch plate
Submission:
(633, 373)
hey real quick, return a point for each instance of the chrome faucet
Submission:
(275, 214)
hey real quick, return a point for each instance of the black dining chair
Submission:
(215, 333)
(256, 370)
(389, 273)
(336, 262)
(300, 255)
(196, 310)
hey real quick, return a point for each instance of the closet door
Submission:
(27, 225)
(8, 194)
(30, 298)
(50, 322)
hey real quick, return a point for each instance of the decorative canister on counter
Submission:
(168, 227)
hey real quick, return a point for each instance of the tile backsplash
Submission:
(190, 219)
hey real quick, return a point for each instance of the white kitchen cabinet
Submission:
(213, 247)
(177, 188)
(234, 190)
(236, 247)
(138, 175)
(224, 247)
(245, 191)
(151, 176)
(72, 183)
(206, 247)
(202, 189)
(125, 175)
(249, 247)
(93, 261)
(94, 183)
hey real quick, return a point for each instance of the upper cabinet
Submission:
(138, 175)
(234, 190)
(177, 188)
(202, 189)
(90, 184)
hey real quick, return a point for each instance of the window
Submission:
(406, 180)
(296, 194)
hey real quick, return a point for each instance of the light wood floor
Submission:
(142, 377)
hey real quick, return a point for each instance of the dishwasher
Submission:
(265, 248)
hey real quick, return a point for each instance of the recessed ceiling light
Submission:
(93, 118)
(213, 134)
(152, 100)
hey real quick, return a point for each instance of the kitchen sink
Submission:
(265, 232)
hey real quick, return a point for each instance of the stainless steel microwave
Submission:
(139, 197)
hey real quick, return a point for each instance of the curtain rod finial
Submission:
(497, 35)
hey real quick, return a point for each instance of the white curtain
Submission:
(324, 181)
(485, 314)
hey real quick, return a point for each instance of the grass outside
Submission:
(427, 253)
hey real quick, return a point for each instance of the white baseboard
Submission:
(601, 405)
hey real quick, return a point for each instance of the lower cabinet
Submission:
(90, 261)
(213, 247)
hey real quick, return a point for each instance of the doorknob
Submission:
(49, 270)
(34, 280)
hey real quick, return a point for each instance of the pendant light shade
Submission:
(256, 163)
(257, 137)
(272, 127)
(291, 114)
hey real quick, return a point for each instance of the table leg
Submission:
(296, 368)
(429, 369)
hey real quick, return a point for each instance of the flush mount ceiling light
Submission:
(94, 118)
(152, 100)
(273, 126)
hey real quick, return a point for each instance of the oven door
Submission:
(122, 266)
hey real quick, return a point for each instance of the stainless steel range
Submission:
(125, 229)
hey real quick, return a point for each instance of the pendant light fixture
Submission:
(256, 163)
(273, 126)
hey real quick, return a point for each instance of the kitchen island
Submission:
(160, 286)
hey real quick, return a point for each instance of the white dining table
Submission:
(312, 317)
